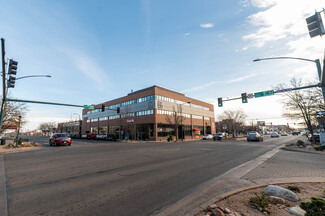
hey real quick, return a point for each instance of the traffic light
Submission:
(11, 82)
(12, 67)
(103, 108)
(118, 109)
(315, 25)
(219, 102)
(244, 97)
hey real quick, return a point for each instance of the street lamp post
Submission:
(316, 61)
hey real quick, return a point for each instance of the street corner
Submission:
(23, 147)
(257, 200)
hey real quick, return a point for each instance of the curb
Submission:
(237, 191)
(3, 191)
(302, 150)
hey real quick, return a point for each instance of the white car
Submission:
(275, 135)
(101, 136)
(208, 136)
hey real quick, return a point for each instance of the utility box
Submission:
(322, 138)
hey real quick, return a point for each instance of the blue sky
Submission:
(101, 50)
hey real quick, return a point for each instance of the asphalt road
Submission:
(113, 178)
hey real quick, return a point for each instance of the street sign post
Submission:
(89, 107)
(264, 93)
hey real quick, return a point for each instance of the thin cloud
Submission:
(186, 34)
(239, 79)
(277, 21)
(88, 66)
(207, 25)
(201, 86)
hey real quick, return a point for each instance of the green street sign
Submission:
(89, 107)
(264, 93)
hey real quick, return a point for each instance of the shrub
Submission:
(294, 188)
(260, 202)
(320, 148)
(300, 143)
(20, 141)
(314, 208)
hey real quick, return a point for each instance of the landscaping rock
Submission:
(297, 211)
(227, 210)
(273, 190)
(213, 206)
(218, 212)
(277, 200)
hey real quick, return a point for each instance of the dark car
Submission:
(315, 136)
(218, 136)
(254, 136)
(295, 133)
(111, 137)
(60, 139)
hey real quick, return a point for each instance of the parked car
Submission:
(60, 138)
(91, 136)
(207, 137)
(84, 136)
(101, 136)
(284, 134)
(75, 136)
(295, 133)
(254, 136)
(218, 136)
(111, 137)
(316, 137)
(274, 135)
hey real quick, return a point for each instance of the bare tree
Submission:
(47, 127)
(12, 112)
(234, 119)
(125, 126)
(302, 104)
(176, 119)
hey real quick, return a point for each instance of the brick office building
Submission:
(147, 114)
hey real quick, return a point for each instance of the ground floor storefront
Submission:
(152, 131)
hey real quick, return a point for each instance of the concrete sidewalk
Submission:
(276, 166)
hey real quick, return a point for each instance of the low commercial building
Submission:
(70, 127)
(153, 113)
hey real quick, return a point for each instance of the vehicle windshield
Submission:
(219, 134)
(62, 135)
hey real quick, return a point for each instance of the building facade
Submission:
(149, 114)
(70, 127)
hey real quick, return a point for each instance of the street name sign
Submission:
(264, 93)
(284, 90)
(89, 107)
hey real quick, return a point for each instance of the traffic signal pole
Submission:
(3, 82)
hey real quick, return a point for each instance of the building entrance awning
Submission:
(196, 129)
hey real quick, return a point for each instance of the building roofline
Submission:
(156, 86)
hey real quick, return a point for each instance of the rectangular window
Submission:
(114, 117)
(103, 118)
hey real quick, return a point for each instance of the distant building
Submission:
(70, 127)
(147, 114)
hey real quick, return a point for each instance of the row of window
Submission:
(197, 117)
(146, 112)
(139, 100)
(186, 115)
(148, 98)
(140, 113)
(171, 100)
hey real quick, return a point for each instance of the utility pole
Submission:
(17, 136)
(3, 82)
